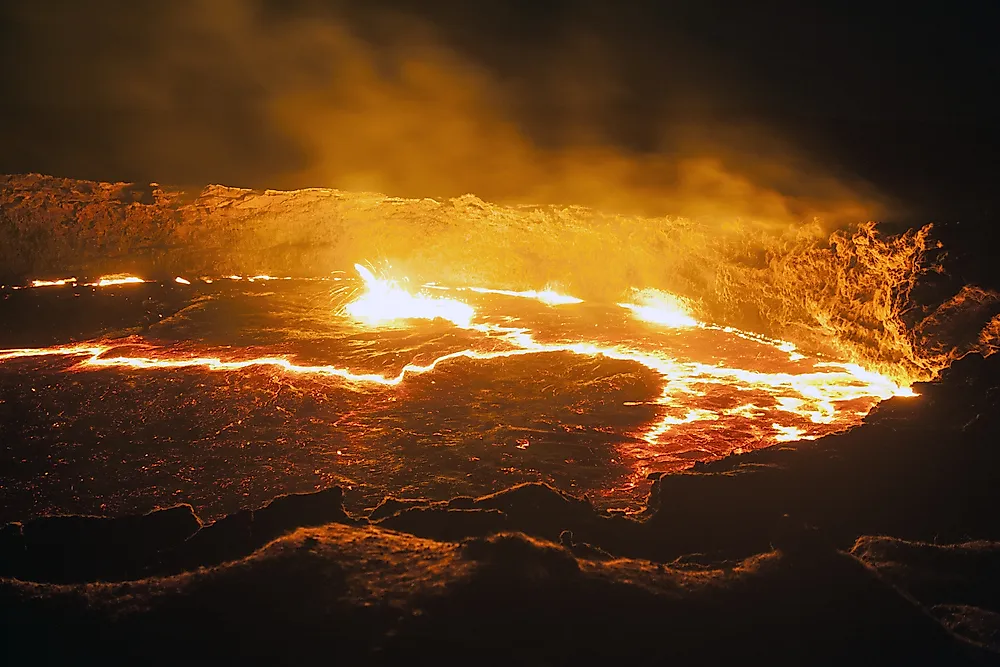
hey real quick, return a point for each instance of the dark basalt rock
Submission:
(979, 625)
(728, 512)
(448, 525)
(518, 554)
(966, 393)
(798, 540)
(285, 514)
(227, 539)
(535, 509)
(240, 534)
(463, 503)
(390, 506)
(378, 598)
(11, 537)
(12, 551)
(62, 549)
(967, 573)
(71, 549)
(972, 370)
(539, 509)
(582, 549)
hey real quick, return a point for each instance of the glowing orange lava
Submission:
(659, 307)
(116, 279)
(53, 283)
(384, 301)
(547, 296)
(816, 396)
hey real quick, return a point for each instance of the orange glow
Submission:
(182, 281)
(790, 433)
(95, 359)
(659, 307)
(116, 279)
(821, 397)
(64, 350)
(812, 389)
(52, 283)
(810, 395)
(665, 309)
(547, 296)
(384, 301)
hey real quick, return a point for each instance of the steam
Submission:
(249, 93)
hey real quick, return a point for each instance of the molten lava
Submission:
(547, 296)
(385, 301)
(53, 283)
(116, 279)
(660, 308)
(660, 389)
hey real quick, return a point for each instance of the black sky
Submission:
(901, 96)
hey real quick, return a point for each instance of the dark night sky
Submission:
(899, 97)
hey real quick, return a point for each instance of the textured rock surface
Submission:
(373, 596)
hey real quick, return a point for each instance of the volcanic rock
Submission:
(966, 573)
(978, 625)
(64, 549)
(444, 524)
(540, 509)
(226, 539)
(799, 540)
(966, 396)
(520, 555)
(87, 548)
(463, 503)
(284, 514)
(729, 512)
(582, 549)
(390, 506)
(533, 508)
(360, 594)
(12, 551)
(958, 583)
(239, 534)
